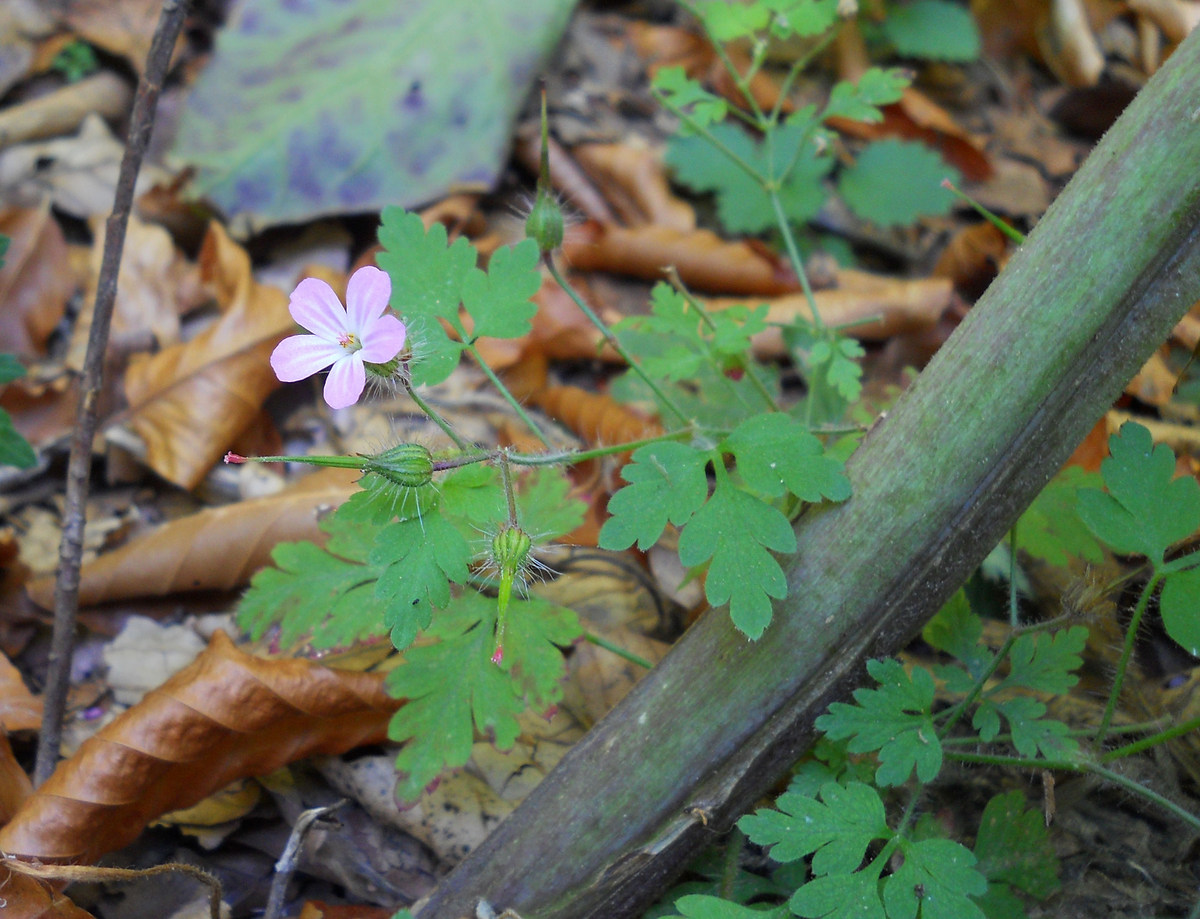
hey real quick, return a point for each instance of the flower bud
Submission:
(545, 222)
(510, 550)
(406, 465)
(544, 225)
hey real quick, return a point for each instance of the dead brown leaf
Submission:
(704, 261)
(215, 549)
(188, 402)
(26, 897)
(121, 27)
(865, 305)
(157, 287)
(20, 710)
(35, 282)
(634, 181)
(226, 716)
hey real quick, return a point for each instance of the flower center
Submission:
(350, 342)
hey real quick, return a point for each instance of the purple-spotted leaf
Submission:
(341, 106)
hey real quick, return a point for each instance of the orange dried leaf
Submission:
(226, 716)
(634, 180)
(36, 281)
(15, 786)
(214, 549)
(188, 402)
(704, 261)
(597, 418)
(20, 710)
(25, 897)
(865, 305)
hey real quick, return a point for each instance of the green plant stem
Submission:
(593, 639)
(508, 396)
(436, 417)
(579, 456)
(732, 863)
(702, 130)
(1149, 794)
(665, 400)
(789, 242)
(677, 282)
(1177, 730)
(1126, 654)
(506, 479)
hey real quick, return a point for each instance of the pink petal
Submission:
(382, 339)
(367, 296)
(345, 382)
(301, 356)
(316, 307)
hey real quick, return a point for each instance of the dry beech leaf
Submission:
(25, 897)
(704, 261)
(15, 786)
(1068, 45)
(226, 716)
(566, 177)
(35, 282)
(188, 402)
(864, 305)
(157, 287)
(596, 418)
(20, 710)
(214, 549)
(635, 182)
(972, 258)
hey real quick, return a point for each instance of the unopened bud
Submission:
(545, 222)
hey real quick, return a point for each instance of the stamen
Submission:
(349, 341)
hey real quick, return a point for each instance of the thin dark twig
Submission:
(66, 588)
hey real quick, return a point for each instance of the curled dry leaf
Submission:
(635, 182)
(188, 402)
(20, 710)
(214, 549)
(226, 716)
(35, 282)
(864, 305)
(597, 418)
(15, 786)
(26, 897)
(157, 286)
(704, 261)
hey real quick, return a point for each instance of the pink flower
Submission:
(342, 338)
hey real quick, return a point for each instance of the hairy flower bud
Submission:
(406, 465)
(544, 225)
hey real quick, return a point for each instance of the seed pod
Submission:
(406, 465)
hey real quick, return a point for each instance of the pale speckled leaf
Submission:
(314, 107)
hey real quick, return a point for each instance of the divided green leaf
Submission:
(1146, 509)
(860, 101)
(667, 483)
(742, 204)
(776, 453)
(938, 880)
(1051, 528)
(738, 531)
(894, 720)
(329, 592)
(681, 93)
(417, 559)
(1013, 847)
(932, 29)
(838, 828)
(894, 182)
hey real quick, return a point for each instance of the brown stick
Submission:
(66, 592)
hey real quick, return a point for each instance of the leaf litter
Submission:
(221, 547)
